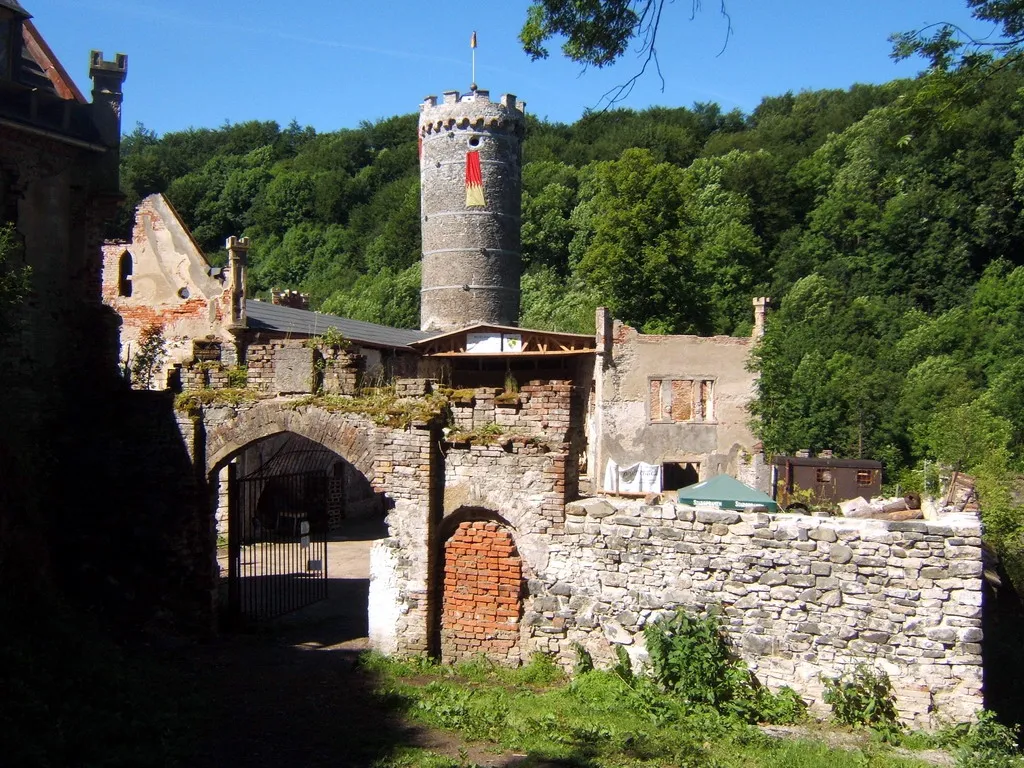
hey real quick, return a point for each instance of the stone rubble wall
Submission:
(402, 464)
(522, 482)
(399, 605)
(284, 366)
(799, 596)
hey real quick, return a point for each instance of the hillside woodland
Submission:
(884, 221)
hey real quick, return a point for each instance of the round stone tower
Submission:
(470, 186)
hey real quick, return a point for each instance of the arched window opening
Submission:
(124, 281)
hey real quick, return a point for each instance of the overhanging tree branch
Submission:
(599, 32)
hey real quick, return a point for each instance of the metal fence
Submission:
(277, 543)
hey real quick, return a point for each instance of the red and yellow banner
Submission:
(474, 181)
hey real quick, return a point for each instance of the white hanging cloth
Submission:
(636, 478)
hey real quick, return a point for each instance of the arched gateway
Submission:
(278, 499)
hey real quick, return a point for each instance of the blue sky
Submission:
(332, 64)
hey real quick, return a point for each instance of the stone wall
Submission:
(403, 464)
(799, 596)
(471, 251)
(281, 367)
(401, 572)
(539, 408)
(285, 365)
(523, 482)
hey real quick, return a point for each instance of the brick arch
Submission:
(482, 588)
(350, 436)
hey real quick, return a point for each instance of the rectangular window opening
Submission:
(681, 400)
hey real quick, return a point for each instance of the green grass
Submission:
(595, 720)
(420, 758)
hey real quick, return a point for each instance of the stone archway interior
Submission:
(483, 577)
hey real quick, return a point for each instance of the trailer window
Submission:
(863, 477)
(824, 475)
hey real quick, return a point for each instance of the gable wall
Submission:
(165, 260)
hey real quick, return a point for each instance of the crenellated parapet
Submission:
(474, 110)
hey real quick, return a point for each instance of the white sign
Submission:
(512, 342)
(483, 342)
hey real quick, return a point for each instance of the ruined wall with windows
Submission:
(678, 402)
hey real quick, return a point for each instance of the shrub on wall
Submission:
(149, 357)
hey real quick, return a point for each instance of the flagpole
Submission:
(472, 46)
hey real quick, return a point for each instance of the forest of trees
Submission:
(884, 221)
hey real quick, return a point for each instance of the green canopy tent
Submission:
(724, 492)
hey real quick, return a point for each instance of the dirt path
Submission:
(293, 695)
(265, 702)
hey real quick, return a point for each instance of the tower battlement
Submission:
(474, 109)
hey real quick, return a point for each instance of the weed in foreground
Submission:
(986, 743)
(863, 698)
(420, 758)
(691, 659)
(598, 719)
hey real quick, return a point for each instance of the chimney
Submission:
(761, 307)
(238, 260)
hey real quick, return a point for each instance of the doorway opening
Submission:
(679, 474)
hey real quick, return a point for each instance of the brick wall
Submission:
(541, 408)
(482, 593)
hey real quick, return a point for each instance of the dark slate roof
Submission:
(15, 6)
(32, 74)
(264, 316)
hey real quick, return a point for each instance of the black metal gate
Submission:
(277, 543)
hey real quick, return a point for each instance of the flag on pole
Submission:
(474, 181)
(472, 40)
